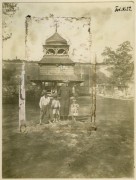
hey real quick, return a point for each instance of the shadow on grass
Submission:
(69, 149)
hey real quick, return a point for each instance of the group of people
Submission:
(59, 106)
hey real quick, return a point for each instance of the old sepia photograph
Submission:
(68, 89)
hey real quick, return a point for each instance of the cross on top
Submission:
(56, 25)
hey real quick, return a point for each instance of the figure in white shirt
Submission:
(55, 105)
(44, 106)
(74, 109)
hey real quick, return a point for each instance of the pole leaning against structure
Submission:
(93, 84)
(95, 90)
(93, 96)
(22, 113)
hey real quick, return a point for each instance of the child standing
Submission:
(74, 109)
(44, 106)
(55, 105)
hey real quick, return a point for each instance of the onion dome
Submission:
(56, 39)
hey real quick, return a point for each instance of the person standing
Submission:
(65, 94)
(75, 91)
(74, 109)
(44, 106)
(55, 105)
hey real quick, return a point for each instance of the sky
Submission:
(108, 28)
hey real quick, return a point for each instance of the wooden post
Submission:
(95, 90)
(93, 107)
(22, 115)
(92, 100)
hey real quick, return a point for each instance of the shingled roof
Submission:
(56, 39)
(56, 60)
(58, 78)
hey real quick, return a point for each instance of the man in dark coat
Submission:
(65, 93)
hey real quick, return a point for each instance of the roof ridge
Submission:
(56, 56)
(56, 60)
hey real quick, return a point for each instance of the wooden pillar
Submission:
(22, 115)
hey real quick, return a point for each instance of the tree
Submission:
(8, 74)
(121, 63)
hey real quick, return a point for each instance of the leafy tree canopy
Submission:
(121, 61)
(8, 74)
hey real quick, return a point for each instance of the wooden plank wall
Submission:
(54, 70)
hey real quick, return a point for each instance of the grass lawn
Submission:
(70, 149)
